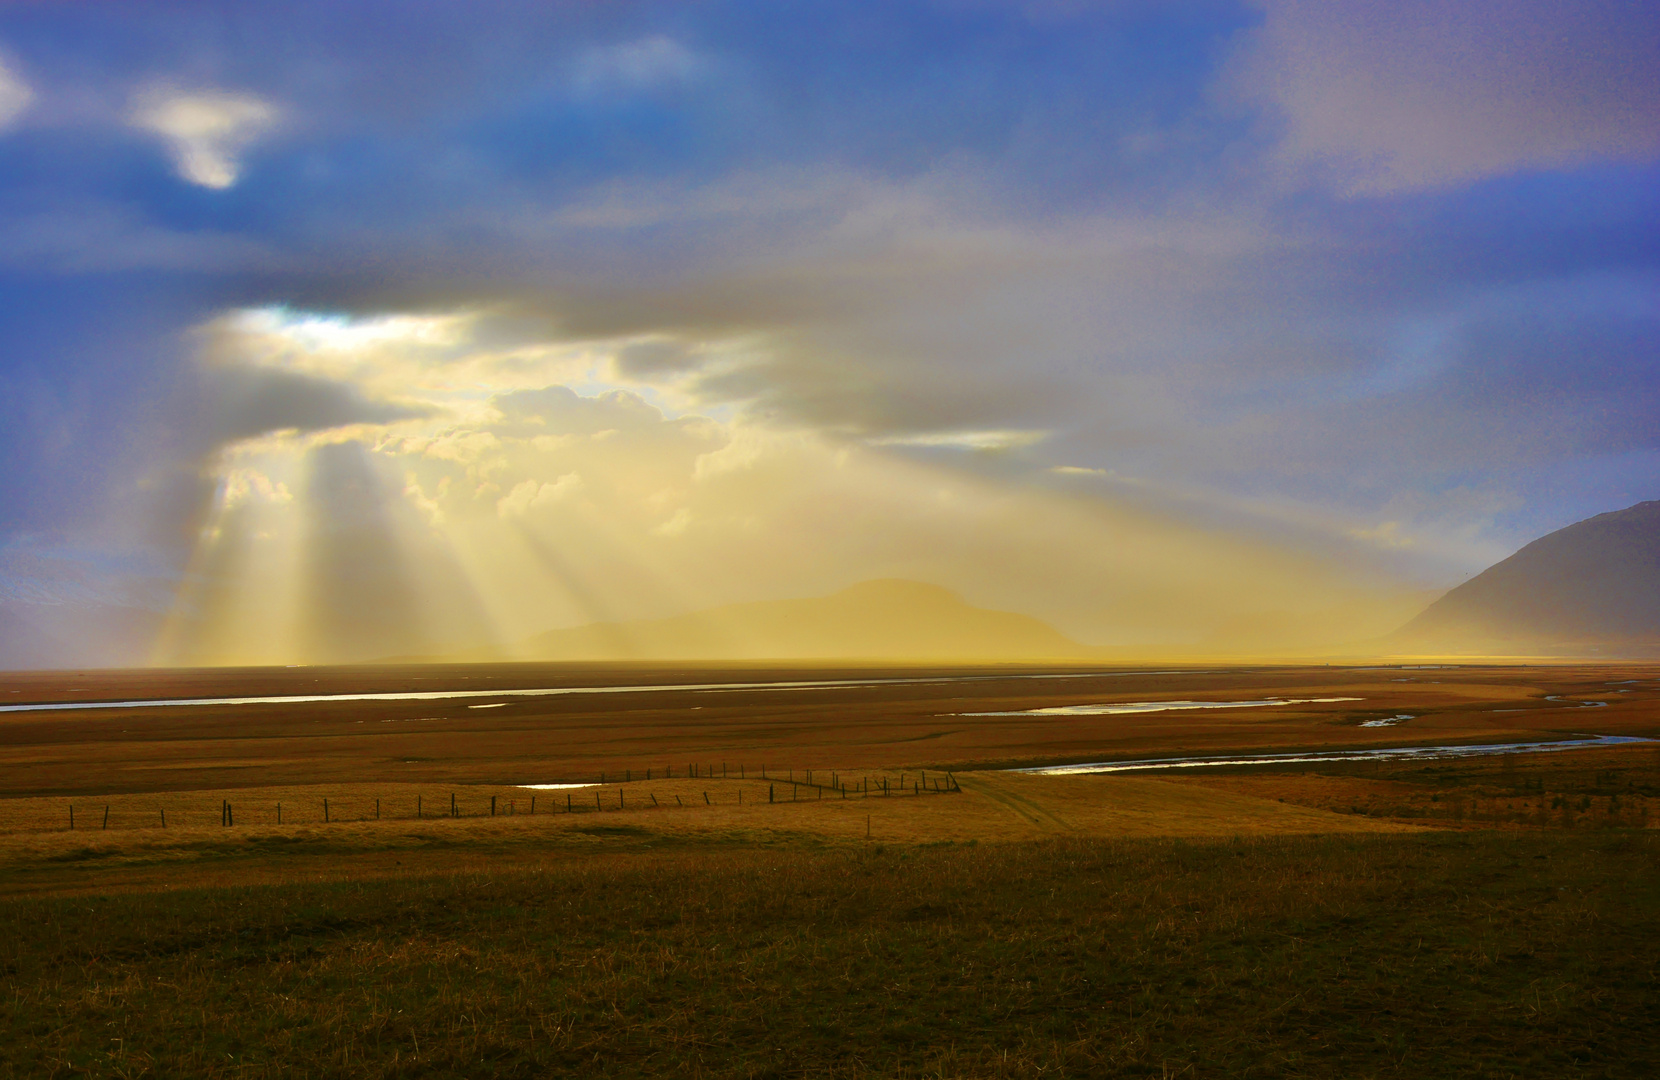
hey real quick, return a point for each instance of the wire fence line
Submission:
(632, 791)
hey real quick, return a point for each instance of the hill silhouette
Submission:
(874, 620)
(1591, 588)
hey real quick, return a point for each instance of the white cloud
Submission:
(207, 131)
(15, 95)
(1415, 94)
(965, 440)
(245, 485)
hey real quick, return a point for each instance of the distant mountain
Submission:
(874, 620)
(1591, 588)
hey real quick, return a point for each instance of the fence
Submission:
(632, 791)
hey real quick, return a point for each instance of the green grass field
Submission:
(635, 953)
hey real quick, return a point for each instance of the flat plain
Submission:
(839, 880)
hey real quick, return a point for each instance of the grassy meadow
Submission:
(903, 916)
(639, 954)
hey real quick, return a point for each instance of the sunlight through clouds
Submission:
(502, 502)
(1160, 323)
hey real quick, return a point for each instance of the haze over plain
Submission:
(1239, 327)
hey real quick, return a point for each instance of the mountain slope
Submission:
(878, 620)
(1591, 587)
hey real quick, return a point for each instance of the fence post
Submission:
(325, 810)
(597, 805)
(706, 801)
(769, 793)
(106, 815)
(492, 806)
(417, 808)
(71, 817)
(164, 818)
(567, 802)
(654, 800)
(533, 806)
(279, 813)
(377, 809)
(453, 812)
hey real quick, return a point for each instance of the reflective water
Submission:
(552, 691)
(1117, 707)
(1394, 754)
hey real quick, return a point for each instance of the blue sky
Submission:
(1363, 289)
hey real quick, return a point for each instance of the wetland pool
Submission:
(1400, 753)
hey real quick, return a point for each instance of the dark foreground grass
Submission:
(1469, 955)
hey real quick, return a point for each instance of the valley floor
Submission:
(908, 915)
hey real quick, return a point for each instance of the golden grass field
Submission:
(989, 807)
(511, 741)
(1481, 917)
(124, 772)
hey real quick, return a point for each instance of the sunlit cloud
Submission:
(498, 510)
(965, 440)
(206, 131)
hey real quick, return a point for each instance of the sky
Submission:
(339, 330)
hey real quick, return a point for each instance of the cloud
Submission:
(559, 410)
(1399, 95)
(249, 401)
(966, 440)
(769, 279)
(651, 359)
(207, 131)
(15, 95)
(636, 65)
(529, 496)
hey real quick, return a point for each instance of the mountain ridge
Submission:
(1590, 588)
(886, 619)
